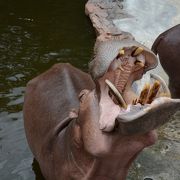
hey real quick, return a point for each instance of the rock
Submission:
(102, 13)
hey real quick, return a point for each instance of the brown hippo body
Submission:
(167, 46)
(81, 130)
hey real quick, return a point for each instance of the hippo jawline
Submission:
(149, 110)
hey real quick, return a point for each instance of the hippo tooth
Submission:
(134, 102)
(139, 63)
(153, 92)
(116, 92)
(163, 84)
(137, 51)
(121, 52)
(144, 94)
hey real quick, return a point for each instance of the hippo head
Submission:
(114, 105)
(115, 121)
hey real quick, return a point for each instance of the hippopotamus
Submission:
(167, 46)
(86, 127)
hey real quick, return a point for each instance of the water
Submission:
(34, 35)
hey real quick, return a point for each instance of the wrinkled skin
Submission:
(68, 143)
(167, 47)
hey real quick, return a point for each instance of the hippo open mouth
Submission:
(121, 105)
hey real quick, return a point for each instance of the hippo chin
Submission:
(166, 46)
(78, 129)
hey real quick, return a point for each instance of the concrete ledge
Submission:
(102, 13)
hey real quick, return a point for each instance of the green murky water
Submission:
(34, 35)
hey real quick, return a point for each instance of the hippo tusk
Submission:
(116, 92)
(137, 51)
(144, 94)
(153, 92)
(163, 84)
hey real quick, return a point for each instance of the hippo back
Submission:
(167, 47)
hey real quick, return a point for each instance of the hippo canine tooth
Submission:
(116, 92)
(163, 84)
(144, 94)
(137, 51)
(153, 92)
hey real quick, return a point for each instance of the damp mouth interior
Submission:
(124, 109)
(129, 66)
(153, 94)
